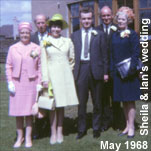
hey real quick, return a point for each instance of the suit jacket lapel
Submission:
(80, 39)
(79, 42)
(36, 38)
(92, 38)
(101, 27)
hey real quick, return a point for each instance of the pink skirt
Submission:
(21, 103)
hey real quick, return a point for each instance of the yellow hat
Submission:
(58, 17)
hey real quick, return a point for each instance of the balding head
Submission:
(40, 22)
(106, 9)
(106, 15)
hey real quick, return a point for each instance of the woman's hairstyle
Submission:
(56, 23)
(85, 10)
(128, 12)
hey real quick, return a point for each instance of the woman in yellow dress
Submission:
(57, 60)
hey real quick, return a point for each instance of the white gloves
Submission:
(39, 87)
(11, 87)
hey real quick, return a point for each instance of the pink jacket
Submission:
(14, 61)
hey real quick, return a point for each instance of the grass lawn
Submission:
(88, 143)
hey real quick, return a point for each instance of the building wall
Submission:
(50, 7)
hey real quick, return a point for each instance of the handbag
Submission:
(46, 101)
(124, 66)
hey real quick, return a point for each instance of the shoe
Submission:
(81, 134)
(130, 136)
(28, 145)
(59, 141)
(53, 140)
(96, 134)
(131, 133)
(18, 143)
(122, 134)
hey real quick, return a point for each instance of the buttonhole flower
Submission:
(34, 54)
(94, 32)
(125, 33)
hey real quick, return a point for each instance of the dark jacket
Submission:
(121, 49)
(98, 54)
(34, 38)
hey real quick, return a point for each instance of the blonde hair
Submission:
(127, 11)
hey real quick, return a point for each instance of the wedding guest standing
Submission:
(23, 77)
(40, 125)
(125, 44)
(41, 25)
(110, 109)
(91, 70)
(57, 61)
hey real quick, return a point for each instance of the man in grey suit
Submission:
(40, 125)
(90, 71)
(109, 114)
(40, 22)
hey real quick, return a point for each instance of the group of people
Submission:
(75, 66)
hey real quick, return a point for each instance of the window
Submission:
(128, 3)
(142, 8)
(74, 23)
(75, 17)
(145, 11)
(145, 3)
(88, 3)
(105, 2)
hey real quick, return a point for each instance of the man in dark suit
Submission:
(40, 22)
(108, 28)
(40, 125)
(91, 69)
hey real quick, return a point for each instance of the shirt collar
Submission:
(45, 33)
(104, 25)
(84, 30)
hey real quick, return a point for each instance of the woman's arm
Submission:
(39, 66)
(44, 65)
(111, 59)
(134, 40)
(9, 65)
(71, 54)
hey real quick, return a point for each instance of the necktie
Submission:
(107, 29)
(86, 45)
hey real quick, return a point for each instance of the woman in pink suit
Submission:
(23, 76)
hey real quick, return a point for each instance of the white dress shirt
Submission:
(83, 40)
(42, 36)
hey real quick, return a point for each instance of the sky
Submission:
(14, 8)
